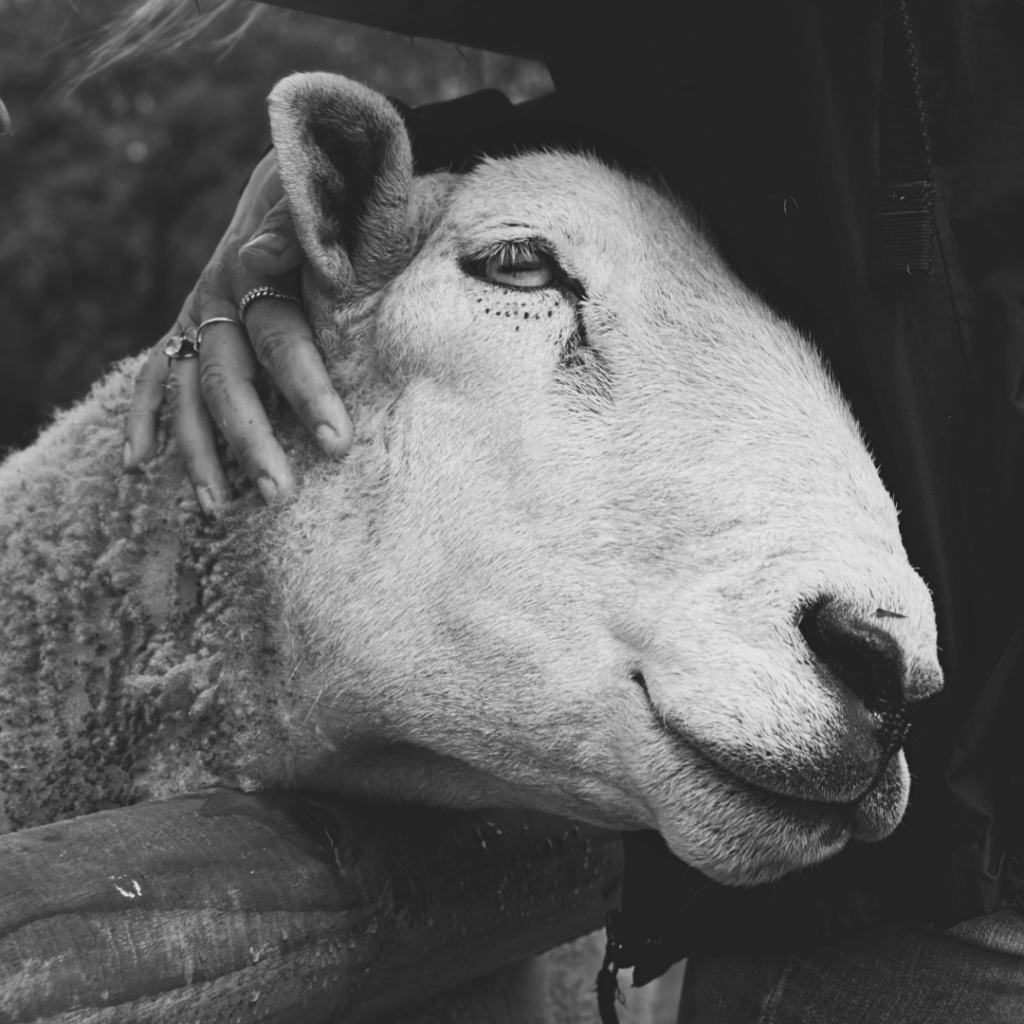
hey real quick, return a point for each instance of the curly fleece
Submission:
(121, 625)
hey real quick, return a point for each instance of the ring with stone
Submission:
(184, 345)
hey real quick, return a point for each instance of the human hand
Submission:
(259, 249)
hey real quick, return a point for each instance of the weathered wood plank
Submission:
(498, 27)
(223, 906)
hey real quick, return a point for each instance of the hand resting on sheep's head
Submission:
(217, 390)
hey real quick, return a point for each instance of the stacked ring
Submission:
(264, 292)
(186, 345)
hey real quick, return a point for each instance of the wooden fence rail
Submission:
(275, 907)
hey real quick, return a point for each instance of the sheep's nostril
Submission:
(863, 658)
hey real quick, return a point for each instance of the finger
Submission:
(140, 429)
(193, 429)
(274, 248)
(227, 381)
(283, 341)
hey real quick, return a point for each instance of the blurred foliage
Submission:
(112, 199)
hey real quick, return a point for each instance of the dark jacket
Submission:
(770, 115)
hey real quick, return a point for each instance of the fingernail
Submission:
(127, 455)
(267, 488)
(208, 501)
(329, 440)
(268, 242)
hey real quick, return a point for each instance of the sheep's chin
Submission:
(770, 836)
(877, 813)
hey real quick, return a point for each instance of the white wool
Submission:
(562, 567)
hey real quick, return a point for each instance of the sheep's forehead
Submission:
(698, 363)
(572, 198)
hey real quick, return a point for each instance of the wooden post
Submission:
(273, 907)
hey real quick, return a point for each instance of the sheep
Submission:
(608, 544)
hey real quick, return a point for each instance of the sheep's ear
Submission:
(346, 164)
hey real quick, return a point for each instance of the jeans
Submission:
(971, 974)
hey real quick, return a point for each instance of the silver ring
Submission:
(264, 292)
(186, 345)
(214, 320)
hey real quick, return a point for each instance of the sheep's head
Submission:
(609, 543)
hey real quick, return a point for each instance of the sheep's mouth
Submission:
(802, 814)
(869, 817)
(826, 825)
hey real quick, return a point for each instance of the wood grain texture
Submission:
(223, 906)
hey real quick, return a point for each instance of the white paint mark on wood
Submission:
(130, 890)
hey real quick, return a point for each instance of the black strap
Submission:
(608, 991)
(904, 218)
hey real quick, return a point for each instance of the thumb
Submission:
(274, 247)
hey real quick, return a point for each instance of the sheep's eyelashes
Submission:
(519, 268)
(516, 263)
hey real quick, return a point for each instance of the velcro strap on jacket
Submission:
(903, 225)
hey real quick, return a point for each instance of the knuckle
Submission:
(190, 308)
(307, 407)
(141, 409)
(174, 393)
(206, 285)
(155, 367)
(279, 220)
(214, 382)
(314, 403)
(275, 347)
(247, 450)
(149, 391)
(201, 464)
(215, 287)
(195, 468)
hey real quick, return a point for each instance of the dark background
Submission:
(112, 198)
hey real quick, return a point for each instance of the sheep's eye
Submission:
(518, 266)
